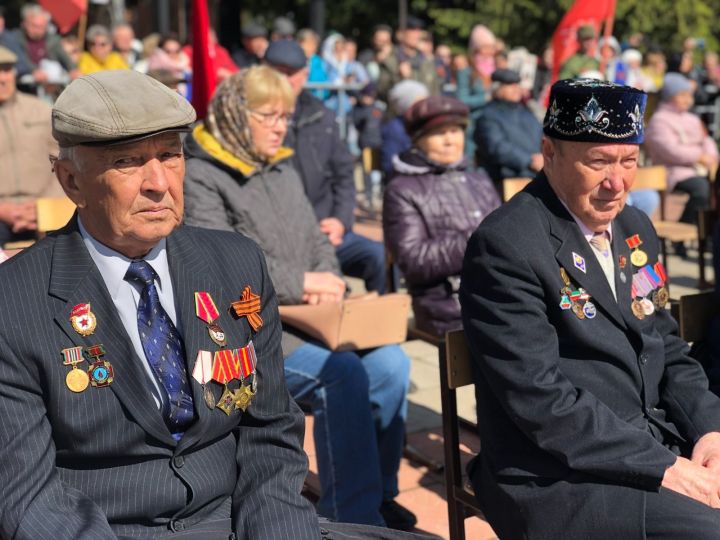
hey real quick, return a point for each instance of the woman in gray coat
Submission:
(238, 177)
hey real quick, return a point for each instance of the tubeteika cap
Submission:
(587, 110)
(117, 107)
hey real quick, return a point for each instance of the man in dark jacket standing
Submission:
(326, 168)
(507, 134)
(595, 422)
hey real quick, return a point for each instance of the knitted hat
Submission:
(673, 84)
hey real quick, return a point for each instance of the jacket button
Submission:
(177, 525)
(643, 358)
(179, 461)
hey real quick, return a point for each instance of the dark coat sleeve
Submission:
(491, 134)
(422, 259)
(516, 351)
(271, 462)
(341, 174)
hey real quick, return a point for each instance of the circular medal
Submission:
(637, 309)
(647, 306)
(661, 297)
(589, 310)
(101, 373)
(84, 324)
(577, 309)
(77, 380)
(638, 257)
(217, 334)
(209, 396)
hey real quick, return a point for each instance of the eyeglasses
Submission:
(100, 44)
(272, 119)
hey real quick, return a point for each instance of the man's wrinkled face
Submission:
(35, 26)
(7, 82)
(130, 196)
(592, 179)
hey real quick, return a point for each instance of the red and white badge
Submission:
(83, 320)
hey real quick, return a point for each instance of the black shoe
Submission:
(680, 250)
(397, 516)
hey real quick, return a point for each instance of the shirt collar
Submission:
(114, 265)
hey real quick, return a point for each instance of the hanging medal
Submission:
(101, 372)
(225, 369)
(202, 373)
(207, 311)
(638, 257)
(249, 306)
(83, 320)
(76, 380)
(247, 361)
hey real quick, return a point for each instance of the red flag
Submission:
(582, 12)
(203, 79)
(65, 13)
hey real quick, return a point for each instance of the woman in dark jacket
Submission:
(431, 207)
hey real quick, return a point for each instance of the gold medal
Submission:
(577, 309)
(243, 397)
(564, 276)
(638, 257)
(226, 403)
(77, 380)
(661, 297)
(84, 324)
(637, 309)
(209, 396)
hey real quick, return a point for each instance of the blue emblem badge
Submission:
(589, 310)
(579, 262)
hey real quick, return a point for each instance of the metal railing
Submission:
(342, 91)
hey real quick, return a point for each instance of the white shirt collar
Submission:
(113, 265)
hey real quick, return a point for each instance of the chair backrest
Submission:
(693, 315)
(459, 364)
(53, 213)
(513, 186)
(653, 177)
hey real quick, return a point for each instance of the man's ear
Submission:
(548, 149)
(67, 172)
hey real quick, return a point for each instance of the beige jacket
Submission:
(25, 143)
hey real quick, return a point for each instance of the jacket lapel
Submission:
(621, 249)
(75, 279)
(571, 242)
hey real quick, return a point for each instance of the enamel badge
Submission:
(83, 320)
(101, 372)
(207, 311)
(579, 262)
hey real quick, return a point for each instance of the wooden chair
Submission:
(655, 177)
(513, 186)
(693, 313)
(53, 213)
(455, 372)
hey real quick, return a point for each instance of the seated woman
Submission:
(431, 207)
(100, 55)
(676, 138)
(239, 178)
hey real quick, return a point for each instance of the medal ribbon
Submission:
(94, 351)
(249, 306)
(248, 359)
(72, 356)
(80, 310)
(650, 275)
(205, 307)
(225, 367)
(634, 241)
(660, 270)
(203, 367)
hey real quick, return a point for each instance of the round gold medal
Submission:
(637, 309)
(638, 257)
(662, 296)
(209, 396)
(84, 324)
(77, 380)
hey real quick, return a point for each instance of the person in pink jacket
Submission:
(677, 138)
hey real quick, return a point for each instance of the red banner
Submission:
(65, 13)
(581, 13)
(203, 79)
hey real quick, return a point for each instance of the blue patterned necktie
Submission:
(164, 350)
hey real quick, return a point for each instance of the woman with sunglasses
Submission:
(99, 55)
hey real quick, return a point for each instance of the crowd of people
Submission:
(438, 134)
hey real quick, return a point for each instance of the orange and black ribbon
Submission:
(249, 306)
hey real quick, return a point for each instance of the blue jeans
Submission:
(358, 400)
(646, 200)
(363, 258)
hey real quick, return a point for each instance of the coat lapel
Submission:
(571, 242)
(621, 249)
(75, 279)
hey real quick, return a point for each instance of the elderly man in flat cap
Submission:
(25, 144)
(141, 378)
(595, 422)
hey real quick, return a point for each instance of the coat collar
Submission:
(570, 242)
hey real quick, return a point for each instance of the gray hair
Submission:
(97, 30)
(307, 33)
(28, 10)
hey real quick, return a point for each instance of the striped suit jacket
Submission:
(101, 463)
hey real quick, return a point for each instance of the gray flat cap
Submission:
(254, 29)
(283, 27)
(7, 57)
(286, 53)
(117, 107)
